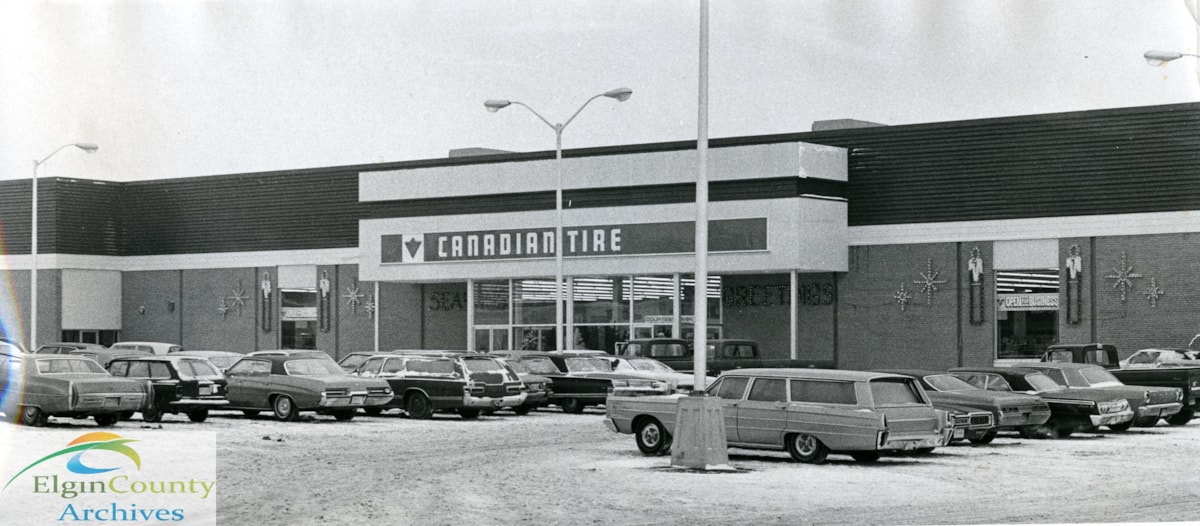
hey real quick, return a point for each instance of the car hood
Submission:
(602, 375)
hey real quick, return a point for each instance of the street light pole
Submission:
(33, 244)
(495, 105)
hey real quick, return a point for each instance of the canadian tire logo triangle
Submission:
(413, 248)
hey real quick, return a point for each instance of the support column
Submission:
(471, 316)
(793, 315)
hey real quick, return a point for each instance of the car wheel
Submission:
(651, 437)
(572, 405)
(987, 438)
(285, 408)
(345, 416)
(198, 415)
(417, 406)
(522, 409)
(107, 420)
(1123, 426)
(806, 448)
(1182, 417)
(251, 412)
(865, 456)
(373, 411)
(152, 414)
(33, 416)
(468, 414)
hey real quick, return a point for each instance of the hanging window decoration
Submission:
(1123, 277)
(238, 299)
(929, 282)
(370, 306)
(1153, 292)
(902, 297)
(353, 297)
(267, 289)
(975, 272)
(323, 302)
(1074, 265)
(223, 309)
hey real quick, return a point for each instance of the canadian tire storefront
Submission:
(930, 245)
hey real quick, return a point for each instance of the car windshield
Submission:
(197, 368)
(354, 360)
(587, 365)
(649, 365)
(311, 367)
(1042, 383)
(946, 382)
(518, 366)
(1098, 377)
(69, 366)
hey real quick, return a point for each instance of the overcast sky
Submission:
(186, 88)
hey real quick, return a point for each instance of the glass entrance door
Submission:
(489, 339)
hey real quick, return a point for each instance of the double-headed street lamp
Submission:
(33, 246)
(493, 106)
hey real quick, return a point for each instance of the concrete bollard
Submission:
(699, 441)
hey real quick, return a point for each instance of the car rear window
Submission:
(667, 350)
(197, 368)
(69, 366)
(895, 391)
(824, 392)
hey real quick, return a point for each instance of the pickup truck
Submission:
(723, 355)
(1184, 378)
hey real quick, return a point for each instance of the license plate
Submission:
(206, 390)
(959, 433)
(358, 400)
(496, 403)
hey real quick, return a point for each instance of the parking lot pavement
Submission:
(555, 468)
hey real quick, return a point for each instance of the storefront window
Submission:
(600, 300)
(533, 301)
(491, 302)
(653, 298)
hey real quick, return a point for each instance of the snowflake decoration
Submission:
(929, 282)
(1153, 293)
(223, 309)
(238, 299)
(902, 297)
(1124, 277)
(353, 297)
(370, 306)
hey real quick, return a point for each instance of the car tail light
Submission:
(74, 395)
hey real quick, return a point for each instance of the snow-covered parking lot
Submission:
(554, 468)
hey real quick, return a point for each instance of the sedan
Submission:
(1071, 409)
(35, 387)
(1147, 402)
(289, 384)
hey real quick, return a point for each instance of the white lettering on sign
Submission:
(1027, 302)
(460, 246)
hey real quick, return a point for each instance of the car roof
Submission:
(819, 374)
(205, 352)
(1062, 365)
(997, 370)
(911, 372)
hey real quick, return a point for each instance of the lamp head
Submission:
(621, 94)
(495, 105)
(87, 146)
(1155, 57)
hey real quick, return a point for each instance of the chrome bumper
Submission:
(1159, 410)
(1111, 418)
(487, 401)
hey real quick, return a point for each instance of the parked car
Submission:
(579, 380)
(1186, 379)
(537, 387)
(1147, 402)
(463, 383)
(1071, 409)
(964, 401)
(350, 362)
(222, 360)
(65, 347)
(288, 384)
(103, 355)
(656, 370)
(179, 384)
(1150, 358)
(35, 387)
(807, 412)
(158, 348)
